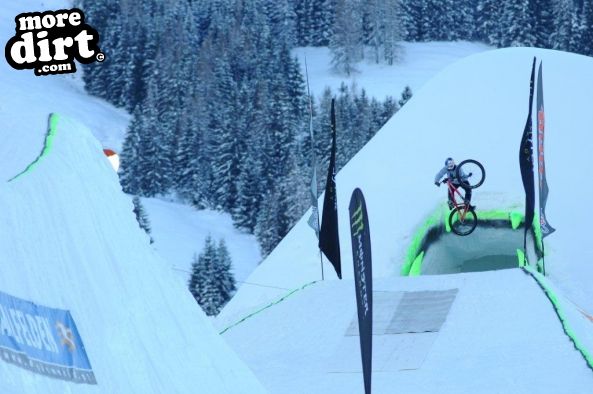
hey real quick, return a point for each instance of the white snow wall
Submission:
(69, 240)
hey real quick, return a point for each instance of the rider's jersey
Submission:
(451, 175)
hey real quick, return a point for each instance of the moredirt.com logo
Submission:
(48, 42)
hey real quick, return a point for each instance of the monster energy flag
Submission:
(329, 240)
(363, 281)
(526, 162)
(543, 184)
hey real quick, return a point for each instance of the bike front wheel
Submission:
(476, 169)
(462, 220)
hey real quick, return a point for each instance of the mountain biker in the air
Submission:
(450, 170)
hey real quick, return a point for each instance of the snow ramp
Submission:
(69, 241)
(487, 332)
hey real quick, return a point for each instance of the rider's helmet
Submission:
(450, 163)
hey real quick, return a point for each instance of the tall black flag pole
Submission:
(314, 219)
(545, 227)
(526, 165)
(329, 239)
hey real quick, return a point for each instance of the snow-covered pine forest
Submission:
(219, 103)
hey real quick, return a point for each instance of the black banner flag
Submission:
(363, 281)
(526, 163)
(329, 240)
(541, 163)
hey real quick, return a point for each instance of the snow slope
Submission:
(496, 339)
(179, 232)
(69, 240)
(476, 108)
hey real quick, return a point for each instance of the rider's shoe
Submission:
(450, 204)
(471, 207)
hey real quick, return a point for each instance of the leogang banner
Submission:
(43, 340)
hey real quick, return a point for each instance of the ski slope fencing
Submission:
(69, 241)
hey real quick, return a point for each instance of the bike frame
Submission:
(452, 192)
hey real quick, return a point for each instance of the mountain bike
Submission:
(463, 219)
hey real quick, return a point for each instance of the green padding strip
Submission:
(267, 306)
(538, 233)
(417, 265)
(540, 265)
(563, 320)
(49, 139)
(433, 220)
(516, 219)
(521, 258)
(441, 218)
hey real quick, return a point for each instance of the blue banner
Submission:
(43, 340)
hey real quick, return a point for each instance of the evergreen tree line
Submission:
(220, 114)
(211, 282)
(357, 29)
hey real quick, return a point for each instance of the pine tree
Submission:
(346, 44)
(323, 15)
(488, 25)
(142, 217)
(130, 156)
(463, 20)
(412, 14)
(586, 30)
(544, 22)
(393, 30)
(518, 23)
(563, 16)
(405, 97)
(224, 276)
(268, 228)
(577, 30)
(437, 20)
(202, 283)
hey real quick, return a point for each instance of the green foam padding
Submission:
(521, 258)
(47, 146)
(414, 249)
(516, 219)
(561, 315)
(540, 266)
(417, 265)
(441, 218)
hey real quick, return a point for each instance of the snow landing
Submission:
(495, 339)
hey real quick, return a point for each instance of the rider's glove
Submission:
(438, 184)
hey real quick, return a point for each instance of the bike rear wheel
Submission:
(462, 220)
(475, 168)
